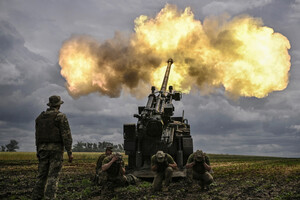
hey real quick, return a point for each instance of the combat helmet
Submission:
(198, 156)
(54, 100)
(160, 156)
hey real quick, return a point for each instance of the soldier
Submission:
(112, 173)
(200, 165)
(52, 135)
(108, 152)
(163, 164)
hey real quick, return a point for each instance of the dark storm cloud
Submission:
(23, 73)
(32, 32)
(9, 37)
(273, 12)
(216, 115)
(245, 126)
(233, 7)
(23, 77)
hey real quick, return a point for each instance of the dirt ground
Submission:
(234, 178)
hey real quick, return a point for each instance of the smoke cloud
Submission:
(239, 54)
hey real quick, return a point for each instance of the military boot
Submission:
(207, 187)
(202, 186)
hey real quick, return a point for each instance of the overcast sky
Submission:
(32, 33)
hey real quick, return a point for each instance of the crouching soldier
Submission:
(112, 173)
(200, 165)
(108, 152)
(163, 164)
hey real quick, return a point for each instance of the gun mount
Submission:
(157, 129)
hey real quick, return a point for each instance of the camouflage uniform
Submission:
(113, 176)
(198, 171)
(52, 135)
(163, 171)
(99, 163)
(108, 151)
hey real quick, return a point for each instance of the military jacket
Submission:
(161, 166)
(53, 131)
(114, 169)
(199, 167)
(99, 162)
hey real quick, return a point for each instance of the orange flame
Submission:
(240, 54)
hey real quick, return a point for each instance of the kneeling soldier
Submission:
(108, 152)
(200, 165)
(163, 164)
(113, 171)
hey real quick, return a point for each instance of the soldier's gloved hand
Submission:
(70, 158)
(114, 158)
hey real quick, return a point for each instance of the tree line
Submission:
(79, 147)
(96, 147)
(11, 146)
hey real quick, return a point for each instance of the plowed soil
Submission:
(235, 177)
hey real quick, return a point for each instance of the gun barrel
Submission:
(166, 77)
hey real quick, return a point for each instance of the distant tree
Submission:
(79, 147)
(121, 147)
(115, 147)
(3, 148)
(89, 147)
(12, 146)
(100, 146)
(94, 147)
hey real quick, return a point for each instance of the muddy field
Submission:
(236, 177)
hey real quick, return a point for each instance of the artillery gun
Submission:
(157, 129)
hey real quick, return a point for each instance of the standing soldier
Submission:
(113, 171)
(200, 165)
(108, 152)
(52, 135)
(163, 164)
